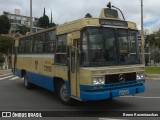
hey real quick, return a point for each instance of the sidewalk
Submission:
(152, 76)
(5, 71)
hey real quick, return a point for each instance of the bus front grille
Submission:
(115, 78)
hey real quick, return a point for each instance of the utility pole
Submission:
(142, 35)
(149, 49)
(31, 20)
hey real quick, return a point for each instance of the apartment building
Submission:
(17, 20)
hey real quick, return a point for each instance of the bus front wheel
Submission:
(63, 95)
(27, 84)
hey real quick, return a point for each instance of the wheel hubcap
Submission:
(63, 93)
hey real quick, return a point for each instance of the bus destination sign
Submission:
(113, 22)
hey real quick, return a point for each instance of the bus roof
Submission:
(77, 25)
(40, 31)
(103, 22)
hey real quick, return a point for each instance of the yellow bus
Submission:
(86, 59)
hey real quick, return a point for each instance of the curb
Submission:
(152, 78)
(5, 71)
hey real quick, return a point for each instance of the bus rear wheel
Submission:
(63, 94)
(27, 84)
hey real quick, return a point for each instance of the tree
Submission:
(154, 39)
(6, 48)
(43, 21)
(88, 15)
(1, 58)
(4, 23)
(151, 39)
(52, 24)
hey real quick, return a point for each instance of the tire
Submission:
(63, 96)
(27, 84)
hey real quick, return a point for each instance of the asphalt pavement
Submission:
(14, 97)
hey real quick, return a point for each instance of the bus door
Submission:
(73, 68)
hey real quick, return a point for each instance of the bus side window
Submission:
(49, 44)
(38, 43)
(28, 46)
(61, 49)
(21, 48)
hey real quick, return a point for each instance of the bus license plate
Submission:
(123, 92)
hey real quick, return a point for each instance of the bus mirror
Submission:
(69, 40)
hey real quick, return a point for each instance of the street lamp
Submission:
(31, 21)
(142, 34)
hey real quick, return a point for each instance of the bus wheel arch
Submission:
(23, 73)
(61, 90)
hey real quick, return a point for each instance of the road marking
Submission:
(14, 78)
(5, 74)
(6, 77)
(142, 97)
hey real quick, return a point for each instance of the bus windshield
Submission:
(109, 47)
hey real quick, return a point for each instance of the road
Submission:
(14, 97)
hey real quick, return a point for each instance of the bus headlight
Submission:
(98, 80)
(140, 76)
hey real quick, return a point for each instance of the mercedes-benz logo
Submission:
(121, 78)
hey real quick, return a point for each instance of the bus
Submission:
(86, 59)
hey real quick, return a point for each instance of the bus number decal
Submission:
(47, 68)
(36, 64)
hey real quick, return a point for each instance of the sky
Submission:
(68, 10)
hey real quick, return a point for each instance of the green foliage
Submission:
(154, 39)
(52, 25)
(43, 22)
(152, 70)
(6, 44)
(88, 15)
(4, 24)
(44, 13)
(5, 13)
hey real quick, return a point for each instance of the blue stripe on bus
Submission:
(100, 94)
(87, 92)
(108, 91)
(39, 80)
(18, 73)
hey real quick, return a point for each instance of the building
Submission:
(18, 21)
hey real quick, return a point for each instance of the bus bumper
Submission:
(102, 95)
